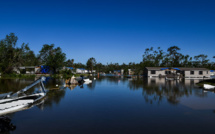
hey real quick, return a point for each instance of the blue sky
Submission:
(111, 30)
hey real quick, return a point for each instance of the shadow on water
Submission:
(157, 89)
(87, 106)
(6, 125)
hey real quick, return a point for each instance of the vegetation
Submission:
(91, 63)
(52, 57)
(13, 56)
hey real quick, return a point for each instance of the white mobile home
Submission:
(186, 72)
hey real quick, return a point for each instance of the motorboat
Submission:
(87, 80)
(208, 87)
(12, 102)
(83, 80)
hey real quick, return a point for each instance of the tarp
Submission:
(212, 71)
(176, 68)
(164, 68)
(170, 68)
(70, 68)
(44, 69)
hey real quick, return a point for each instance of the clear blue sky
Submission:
(111, 30)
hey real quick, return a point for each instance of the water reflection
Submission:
(54, 97)
(155, 90)
(8, 85)
(5, 125)
(112, 103)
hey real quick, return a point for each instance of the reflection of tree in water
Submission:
(155, 90)
(14, 85)
(54, 96)
(116, 79)
(92, 85)
(5, 125)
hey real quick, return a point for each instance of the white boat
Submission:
(207, 86)
(12, 102)
(87, 80)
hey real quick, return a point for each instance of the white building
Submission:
(186, 72)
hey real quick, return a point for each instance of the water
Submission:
(114, 105)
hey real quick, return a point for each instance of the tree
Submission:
(91, 62)
(99, 67)
(52, 57)
(153, 57)
(69, 63)
(28, 57)
(174, 56)
(202, 59)
(79, 65)
(10, 55)
(186, 61)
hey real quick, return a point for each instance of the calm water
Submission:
(115, 105)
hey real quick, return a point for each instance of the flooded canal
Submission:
(116, 105)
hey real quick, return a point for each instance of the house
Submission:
(212, 73)
(131, 71)
(186, 72)
(25, 69)
(195, 72)
(81, 71)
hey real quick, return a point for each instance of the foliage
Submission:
(91, 63)
(201, 60)
(52, 57)
(174, 56)
(69, 63)
(12, 56)
(79, 65)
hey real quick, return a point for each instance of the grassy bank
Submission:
(210, 81)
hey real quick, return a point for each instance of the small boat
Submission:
(83, 80)
(208, 87)
(12, 102)
(87, 80)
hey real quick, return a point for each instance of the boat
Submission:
(83, 80)
(208, 87)
(12, 102)
(87, 80)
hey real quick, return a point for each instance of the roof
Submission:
(81, 68)
(70, 68)
(194, 69)
(177, 68)
(154, 68)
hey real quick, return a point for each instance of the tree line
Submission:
(13, 56)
